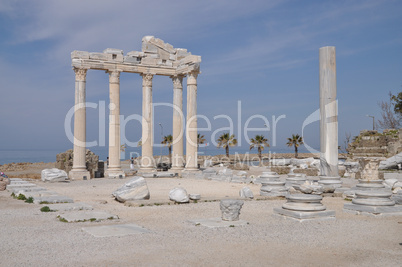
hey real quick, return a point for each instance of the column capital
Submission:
(80, 74)
(147, 79)
(114, 76)
(192, 78)
(177, 81)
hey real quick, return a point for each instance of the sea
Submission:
(49, 155)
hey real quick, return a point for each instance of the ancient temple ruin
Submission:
(156, 58)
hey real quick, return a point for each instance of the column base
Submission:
(191, 169)
(79, 175)
(146, 170)
(334, 181)
(177, 170)
(115, 174)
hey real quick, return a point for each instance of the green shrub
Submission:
(21, 197)
(29, 200)
(46, 209)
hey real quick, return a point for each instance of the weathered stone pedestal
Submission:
(305, 207)
(230, 209)
(370, 168)
(334, 181)
(266, 176)
(365, 185)
(271, 186)
(373, 203)
(397, 198)
(295, 179)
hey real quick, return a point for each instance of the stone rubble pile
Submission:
(64, 161)
(310, 187)
(225, 175)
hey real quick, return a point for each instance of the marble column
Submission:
(114, 169)
(178, 129)
(79, 170)
(147, 160)
(328, 113)
(191, 125)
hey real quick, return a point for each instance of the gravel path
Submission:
(32, 238)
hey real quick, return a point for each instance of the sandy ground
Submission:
(30, 237)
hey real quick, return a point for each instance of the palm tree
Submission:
(296, 141)
(226, 140)
(168, 141)
(260, 142)
(200, 140)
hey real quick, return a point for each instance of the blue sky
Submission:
(262, 53)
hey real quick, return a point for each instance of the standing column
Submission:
(178, 130)
(328, 117)
(191, 125)
(114, 169)
(79, 169)
(147, 160)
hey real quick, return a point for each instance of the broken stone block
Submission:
(132, 60)
(80, 54)
(52, 199)
(100, 56)
(149, 48)
(397, 198)
(179, 195)
(135, 54)
(246, 192)
(390, 182)
(113, 51)
(149, 61)
(135, 189)
(181, 53)
(230, 209)
(194, 196)
(391, 163)
(83, 216)
(53, 175)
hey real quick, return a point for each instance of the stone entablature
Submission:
(156, 58)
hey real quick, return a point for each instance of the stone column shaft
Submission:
(114, 168)
(147, 160)
(79, 169)
(178, 129)
(191, 125)
(328, 112)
